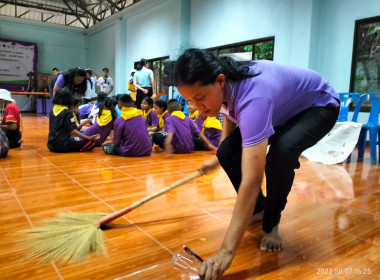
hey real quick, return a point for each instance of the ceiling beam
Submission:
(75, 14)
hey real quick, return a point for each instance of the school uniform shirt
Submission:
(151, 118)
(105, 84)
(198, 122)
(131, 136)
(90, 91)
(184, 130)
(98, 128)
(60, 126)
(143, 77)
(85, 110)
(12, 114)
(212, 130)
(270, 99)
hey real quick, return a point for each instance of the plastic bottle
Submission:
(187, 264)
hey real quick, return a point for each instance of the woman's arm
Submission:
(138, 87)
(253, 164)
(209, 145)
(153, 86)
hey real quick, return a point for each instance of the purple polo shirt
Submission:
(199, 122)
(132, 137)
(152, 119)
(103, 131)
(213, 135)
(273, 97)
(183, 130)
(60, 82)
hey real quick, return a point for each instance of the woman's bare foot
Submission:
(271, 242)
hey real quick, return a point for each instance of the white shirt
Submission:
(90, 91)
(105, 84)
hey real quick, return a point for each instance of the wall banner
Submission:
(18, 64)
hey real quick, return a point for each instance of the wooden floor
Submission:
(331, 222)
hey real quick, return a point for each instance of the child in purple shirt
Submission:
(180, 131)
(263, 103)
(103, 122)
(131, 137)
(211, 129)
(149, 113)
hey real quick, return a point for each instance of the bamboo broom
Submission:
(72, 237)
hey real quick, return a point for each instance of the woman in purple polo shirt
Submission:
(263, 103)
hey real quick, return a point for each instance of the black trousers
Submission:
(140, 96)
(286, 145)
(159, 138)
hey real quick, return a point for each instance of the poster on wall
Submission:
(18, 64)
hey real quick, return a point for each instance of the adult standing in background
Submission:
(91, 84)
(144, 82)
(105, 83)
(74, 80)
(131, 87)
(52, 83)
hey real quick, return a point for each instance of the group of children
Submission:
(128, 131)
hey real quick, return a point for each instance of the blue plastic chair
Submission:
(346, 98)
(372, 125)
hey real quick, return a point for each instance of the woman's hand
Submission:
(214, 266)
(145, 91)
(209, 165)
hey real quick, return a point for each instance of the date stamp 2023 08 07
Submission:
(343, 271)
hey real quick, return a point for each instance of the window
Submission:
(249, 50)
(365, 71)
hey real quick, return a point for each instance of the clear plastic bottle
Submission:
(187, 264)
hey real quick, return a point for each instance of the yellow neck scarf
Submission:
(58, 109)
(193, 114)
(179, 114)
(105, 118)
(75, 119)
(211, 122)
(130, 112)
(146, 114)
(161, 122)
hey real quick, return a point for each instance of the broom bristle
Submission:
(70, 237)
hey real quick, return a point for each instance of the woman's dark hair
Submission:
(63, 97)
(148, 100)
(69, 76)
(108, 103)
(141, 64)
(161, 104)
(198, 65)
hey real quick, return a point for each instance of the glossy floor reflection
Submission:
(331, 223)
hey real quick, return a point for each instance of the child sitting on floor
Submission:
(211, 129)
(103, 122)
(193, 114)
(149, 113)
(180, 131)
(75, 109)
(160, 107)
(11, 123)
(62, 127)
(131, 138)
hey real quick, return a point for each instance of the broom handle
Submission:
(109, 218)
